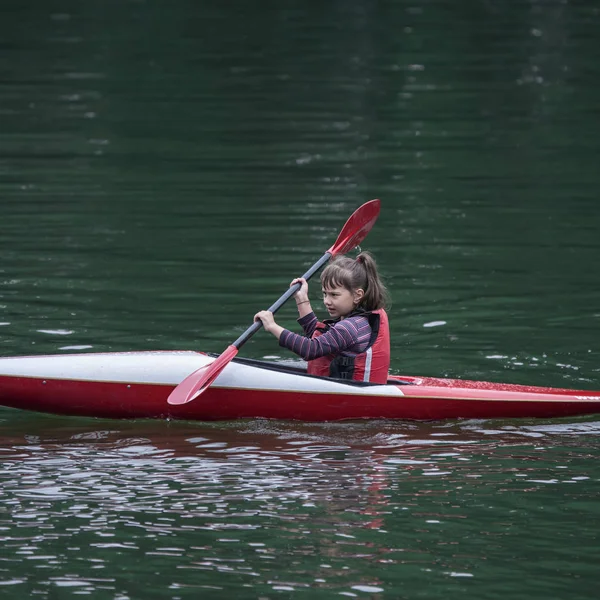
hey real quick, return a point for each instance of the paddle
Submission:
(353, 233)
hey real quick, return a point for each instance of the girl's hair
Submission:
(353, 273)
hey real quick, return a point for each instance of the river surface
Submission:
(167, 168)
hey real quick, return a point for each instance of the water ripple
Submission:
(238, 501)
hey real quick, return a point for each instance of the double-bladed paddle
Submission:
(353, 233)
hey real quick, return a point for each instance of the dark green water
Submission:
(167, 168)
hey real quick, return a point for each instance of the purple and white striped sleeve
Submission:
(308, 323)
(351, 334)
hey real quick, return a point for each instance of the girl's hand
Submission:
(302, 294)
(266, 317)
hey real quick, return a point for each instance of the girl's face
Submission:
(340, 301)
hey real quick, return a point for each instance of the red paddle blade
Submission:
(193, 385)
(357, 227)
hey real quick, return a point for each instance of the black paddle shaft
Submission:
(275, 307)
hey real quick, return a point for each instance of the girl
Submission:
(355, 342)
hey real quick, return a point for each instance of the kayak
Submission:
(136, 385)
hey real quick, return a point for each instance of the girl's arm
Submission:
(306, 316)
(350, 334)
(304, 310)
(301, 297)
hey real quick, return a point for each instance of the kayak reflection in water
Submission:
(354, 343)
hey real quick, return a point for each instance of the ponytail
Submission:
(376, 294)
(353, 274)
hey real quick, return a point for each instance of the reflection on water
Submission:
(363, 508)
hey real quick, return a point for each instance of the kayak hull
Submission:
(136, 385)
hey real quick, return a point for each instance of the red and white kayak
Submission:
(135, 385)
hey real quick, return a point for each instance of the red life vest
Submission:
(371, 365)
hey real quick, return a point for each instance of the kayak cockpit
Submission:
(299, 368)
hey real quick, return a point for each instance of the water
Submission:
(272, 510)
(166, 170)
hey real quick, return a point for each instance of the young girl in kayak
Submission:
(355, 342)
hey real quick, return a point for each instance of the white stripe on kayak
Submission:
(170, 368)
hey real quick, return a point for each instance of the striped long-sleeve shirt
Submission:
(347, 337)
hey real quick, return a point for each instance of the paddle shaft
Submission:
(277, 305)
